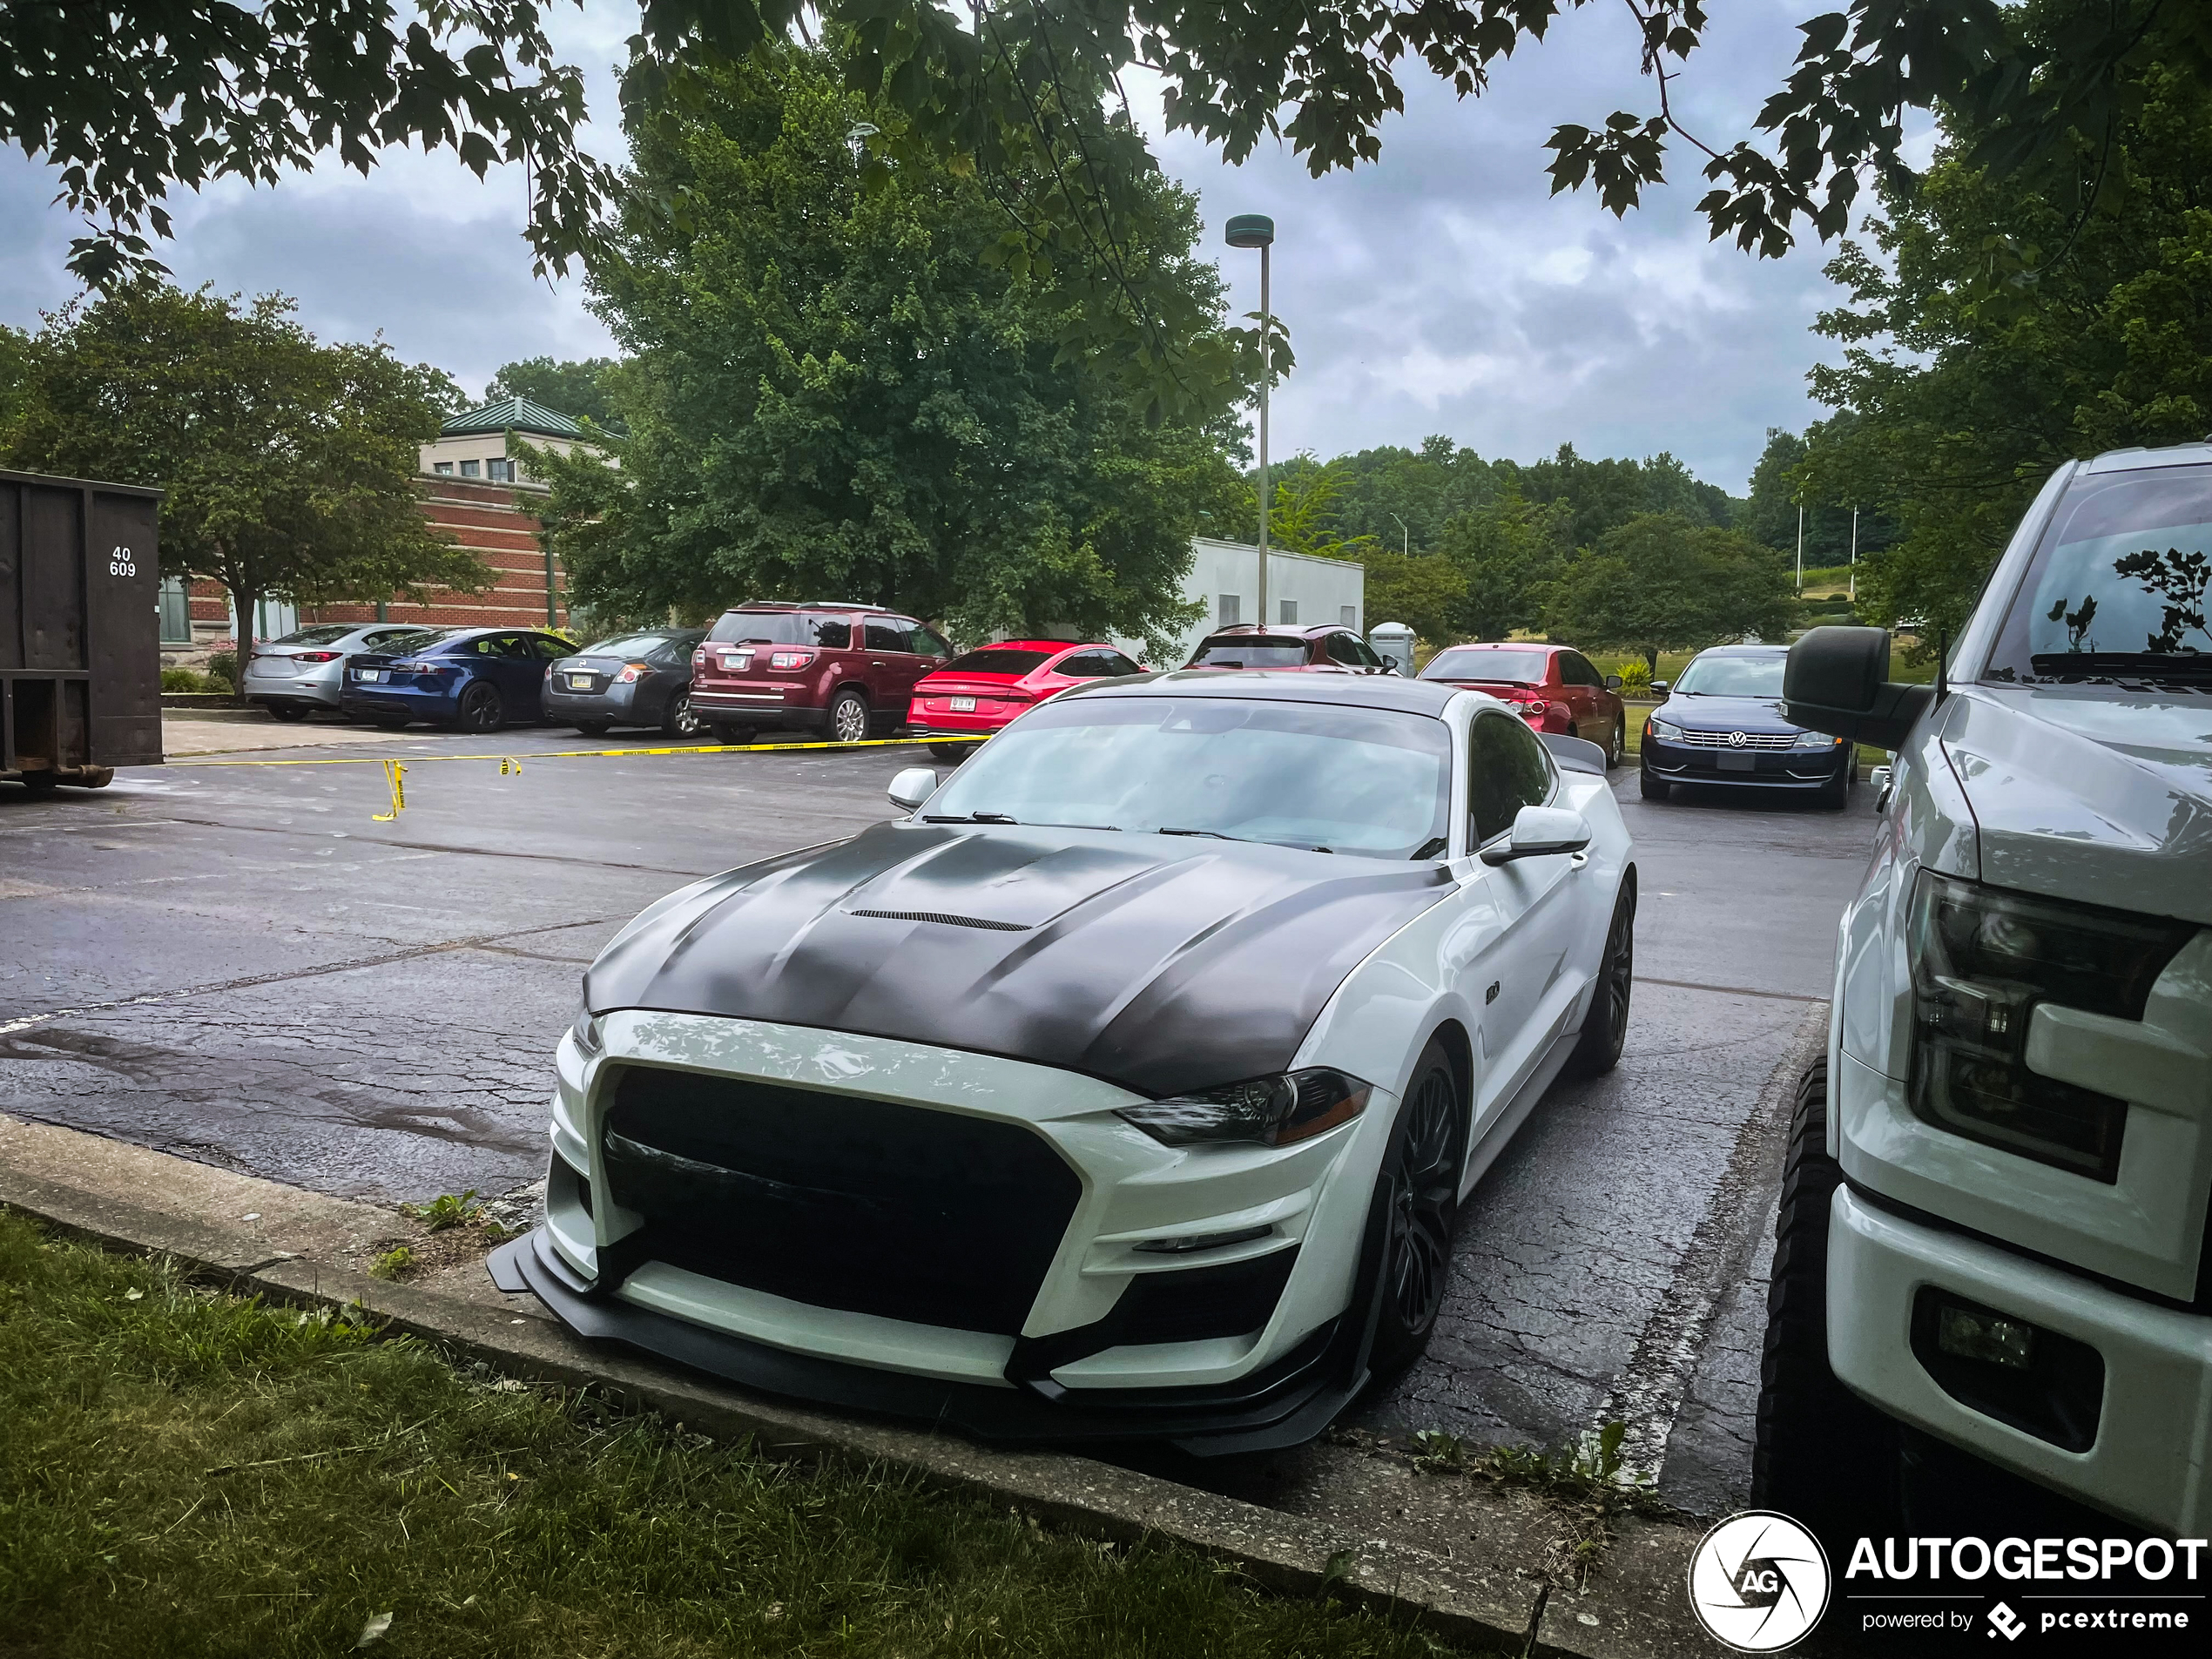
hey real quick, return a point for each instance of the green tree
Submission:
(1663, 582)
(1302, 511)
(1424, 590)
(834, 391)
(1601, 494)
(1958, 395)
(15, 369)
(1769, 516)
(578, 390)
(1507, 552)
(287, 467)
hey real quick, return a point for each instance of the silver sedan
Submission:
(294, 675)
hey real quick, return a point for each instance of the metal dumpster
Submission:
(80, 635)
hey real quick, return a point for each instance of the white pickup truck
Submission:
(1993, 1235)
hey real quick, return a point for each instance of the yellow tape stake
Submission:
(508, 763)
(394, 772)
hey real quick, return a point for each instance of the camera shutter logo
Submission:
(1758, 1582)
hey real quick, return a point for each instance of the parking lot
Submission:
(238, 964)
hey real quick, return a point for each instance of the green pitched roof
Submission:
(515, 415)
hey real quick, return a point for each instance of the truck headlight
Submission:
(1281, 1110)
(1982, 959)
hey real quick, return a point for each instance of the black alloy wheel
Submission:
(1420, 1189)
(1619, 747)
(287, 712)
(480, 709)
(680, 720)
(848, 717)
(1605, 1028)
(1835, 794)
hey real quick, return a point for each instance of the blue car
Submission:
(1722, 724)
(468, 679)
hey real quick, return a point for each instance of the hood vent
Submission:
(950, 921)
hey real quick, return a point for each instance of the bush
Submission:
(1636, 677)
(222, 672)
(183, 679)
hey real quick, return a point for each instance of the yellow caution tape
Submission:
(394, 772)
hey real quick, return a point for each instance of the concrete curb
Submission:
(1400, 1544)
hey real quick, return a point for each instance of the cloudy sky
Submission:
(1442, 290)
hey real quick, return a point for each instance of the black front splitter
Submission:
(1286, 1403)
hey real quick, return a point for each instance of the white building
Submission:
(1302, 592)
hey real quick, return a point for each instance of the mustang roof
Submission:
(1361, 690)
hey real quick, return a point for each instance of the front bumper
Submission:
(1783, 769)
(2148, 1461)
(1104, 1340)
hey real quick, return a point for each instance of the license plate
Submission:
(579, 682)
(737, 665)
(368, 673)
(1737, 763)
(963, 706)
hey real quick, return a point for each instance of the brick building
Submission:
(470, 491)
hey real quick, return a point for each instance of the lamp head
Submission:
(1250, 230)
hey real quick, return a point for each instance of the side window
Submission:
(1117, 664)
(550, 648)
(1507, 770)
(1343, 649)
(929, 645)
(885, 635)
(833, 633)
(1367, 653)
(484, 645)
(515, 645)
(1575, 670)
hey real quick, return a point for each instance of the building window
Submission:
(445, 466)
(1348, 616)
(1290, 610)
(1227, 609)
(468, 469)
(176, 611)
(500, 470)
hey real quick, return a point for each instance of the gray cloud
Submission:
(1442, 290)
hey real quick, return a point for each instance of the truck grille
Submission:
(874, 1207)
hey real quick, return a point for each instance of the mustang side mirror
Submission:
(1538, 832)
(1836, 681)
(912, 786)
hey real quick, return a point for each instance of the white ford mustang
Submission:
(1128, 1086)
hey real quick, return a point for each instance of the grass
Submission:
(183, 1473)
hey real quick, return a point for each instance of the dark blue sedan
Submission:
(470, 679)
(1722, 724)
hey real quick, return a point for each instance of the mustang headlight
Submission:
(1982, 959)
(1289, 1107)
(1815, 741)
(1665, 732)
(589, 1038)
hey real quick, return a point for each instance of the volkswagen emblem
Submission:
(1737, 739)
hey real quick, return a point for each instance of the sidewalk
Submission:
(191, 732)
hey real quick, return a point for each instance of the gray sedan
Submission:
(294, 675)
(641, 678)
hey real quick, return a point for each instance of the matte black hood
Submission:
(1156, 962)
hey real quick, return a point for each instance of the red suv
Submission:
(840, 669)
(1330, 650)
(1554, 688)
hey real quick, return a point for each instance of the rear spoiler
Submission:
(1573, 753)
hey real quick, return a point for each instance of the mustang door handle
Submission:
(1576, 861)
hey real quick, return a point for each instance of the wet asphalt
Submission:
(240, 965)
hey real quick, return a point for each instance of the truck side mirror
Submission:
(1659, 687)
(1836, 681)
(911, 786)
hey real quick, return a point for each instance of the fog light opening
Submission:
(1190, 1242)
(1972, 1333)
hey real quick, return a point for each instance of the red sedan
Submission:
(1554, 688)
(974, 695)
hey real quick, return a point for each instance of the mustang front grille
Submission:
(898, 1211)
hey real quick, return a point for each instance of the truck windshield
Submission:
(1370, 781)
(2116, 591)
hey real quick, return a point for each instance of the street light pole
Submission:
(1406, 544)
(1801, 550)
(1257, 230)
(1854, 556)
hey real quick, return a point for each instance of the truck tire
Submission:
(1822, 1455)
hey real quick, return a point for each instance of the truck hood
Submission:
(1156, 962)
(2103, 796)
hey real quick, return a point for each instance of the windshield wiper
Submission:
(2121, 664)
(1211, 834)
(967, 818)
(1429, 848)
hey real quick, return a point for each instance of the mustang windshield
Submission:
(2117, 589)
(1733, 676)
(1370, 781)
